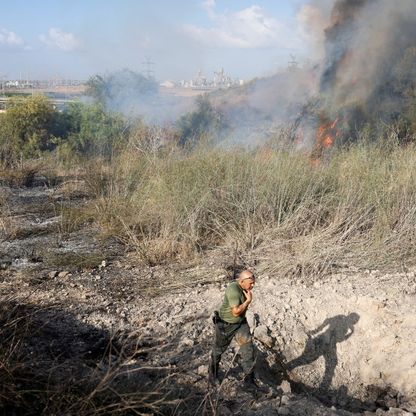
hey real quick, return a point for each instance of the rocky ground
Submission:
(341, 346)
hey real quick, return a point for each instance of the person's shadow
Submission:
(338, 329)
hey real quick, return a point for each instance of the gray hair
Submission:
(246, 274)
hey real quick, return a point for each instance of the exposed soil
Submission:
(341, 346)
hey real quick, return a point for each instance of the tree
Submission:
(116, 89)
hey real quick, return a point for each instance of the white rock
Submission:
(188, 342)
(285, 386)
(284, 400)
(202, 370)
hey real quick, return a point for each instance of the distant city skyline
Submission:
(170, 39)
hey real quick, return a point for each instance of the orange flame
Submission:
(327, 142)
(325, 138)
(326, 134)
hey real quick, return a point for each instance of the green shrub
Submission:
(26, 129)
(92, 131)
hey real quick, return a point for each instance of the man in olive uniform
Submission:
(231, 322)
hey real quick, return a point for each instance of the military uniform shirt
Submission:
(234, 296)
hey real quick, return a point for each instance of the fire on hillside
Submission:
(367, 76)
(326, 135)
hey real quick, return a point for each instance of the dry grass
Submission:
(37, 381)
(6, 226)
(24, 174)
(73, 261)
(356, 207)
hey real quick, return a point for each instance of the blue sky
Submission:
(79, 38)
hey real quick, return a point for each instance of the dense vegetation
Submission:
(168, 200)
(357, 208)
(32, 127)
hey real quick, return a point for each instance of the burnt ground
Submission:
(86, 326)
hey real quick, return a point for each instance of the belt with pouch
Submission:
(216, 319)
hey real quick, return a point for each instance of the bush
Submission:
(27, 129)
(205, 121)
(92, 131)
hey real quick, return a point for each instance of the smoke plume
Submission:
(365, 43)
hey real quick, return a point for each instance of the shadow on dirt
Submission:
(322, 342)
(51, 363)
(337, 329)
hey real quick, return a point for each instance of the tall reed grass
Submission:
(357, 207)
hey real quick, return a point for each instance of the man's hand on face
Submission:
(248, 294)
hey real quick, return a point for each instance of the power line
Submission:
(149, 68)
